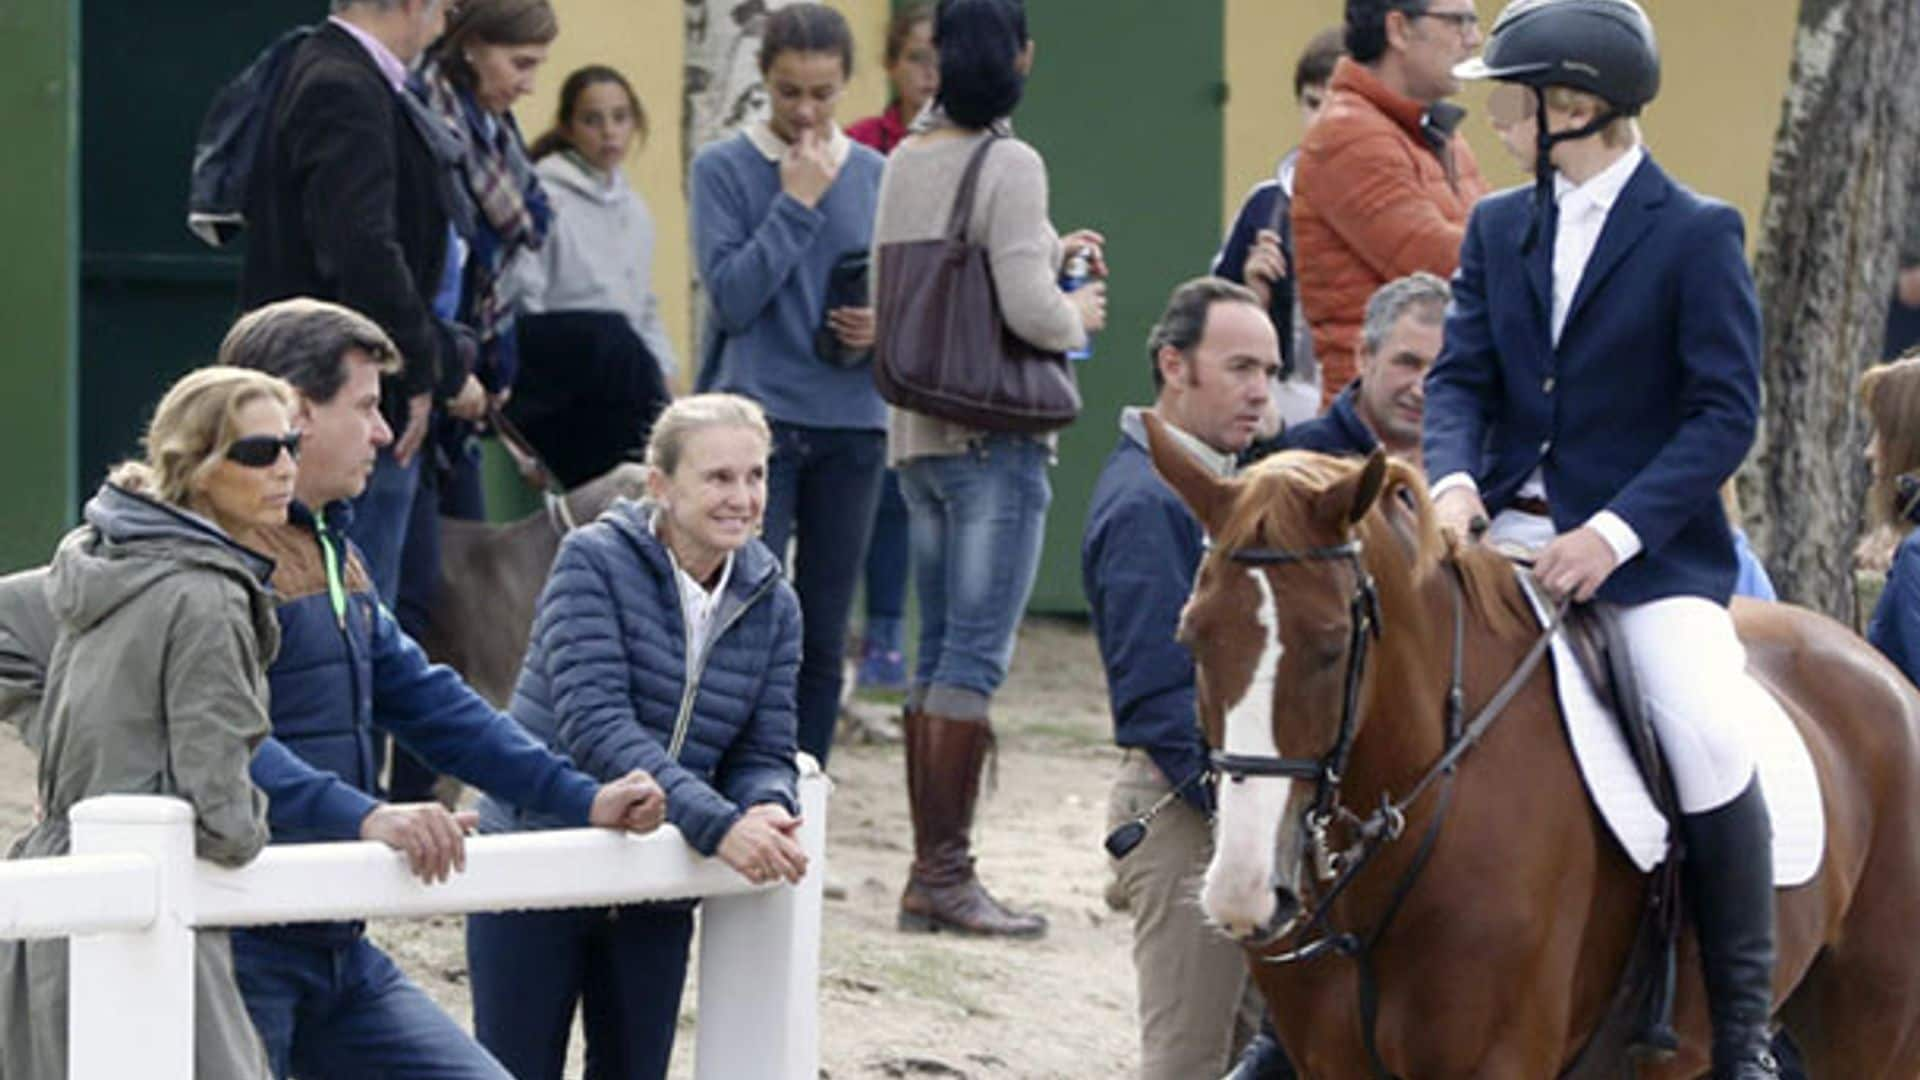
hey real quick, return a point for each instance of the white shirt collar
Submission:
(697, 602)
(1602, 189)
(761, 134)
(1216, 462)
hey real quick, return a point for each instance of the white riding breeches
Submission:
(1692, 674)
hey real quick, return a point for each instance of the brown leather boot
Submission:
(944, 760)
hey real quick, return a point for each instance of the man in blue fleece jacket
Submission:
(1214, 355)
(326, 1001)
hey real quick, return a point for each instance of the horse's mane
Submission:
(1403, 543)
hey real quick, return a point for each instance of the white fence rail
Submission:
(132, 893)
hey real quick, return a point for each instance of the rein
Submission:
(1388, 823)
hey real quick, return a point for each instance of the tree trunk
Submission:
(1837, 204)
(722, 91)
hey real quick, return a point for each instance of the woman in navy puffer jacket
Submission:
(667, 639)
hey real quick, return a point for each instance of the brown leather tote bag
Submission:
(942, 347)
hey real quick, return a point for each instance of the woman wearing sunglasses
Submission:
(157, 683)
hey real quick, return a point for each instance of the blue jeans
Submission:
(347, 1012)
(977, 522)
(822, 484)
(624, 967)
(887, 559)
(381, 515)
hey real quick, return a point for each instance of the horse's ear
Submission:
(1347, 501)
(1207, 495)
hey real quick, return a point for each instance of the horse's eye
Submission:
(1328, 647)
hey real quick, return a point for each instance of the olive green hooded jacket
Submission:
(162, 629)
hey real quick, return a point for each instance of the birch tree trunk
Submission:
(722, 91)
(1837, 205)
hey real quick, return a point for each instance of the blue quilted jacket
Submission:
(611, 681)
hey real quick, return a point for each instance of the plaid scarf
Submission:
(514, 212)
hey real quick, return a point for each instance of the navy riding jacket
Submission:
(1648, 403)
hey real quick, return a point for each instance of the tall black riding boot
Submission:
(1263, 1059)
(1728, 876)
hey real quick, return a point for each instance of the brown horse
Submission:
(491, 577)
(1501, 924)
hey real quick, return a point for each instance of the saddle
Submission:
(1640, 1016)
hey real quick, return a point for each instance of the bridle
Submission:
(1363, 609)
(1340, 866)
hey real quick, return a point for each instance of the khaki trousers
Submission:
(1198, 1006)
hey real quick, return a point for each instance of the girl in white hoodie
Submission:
(596, 360)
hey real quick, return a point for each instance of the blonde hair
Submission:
(1890, 395)
(192, 428)
(1623, 131)
(697, 412)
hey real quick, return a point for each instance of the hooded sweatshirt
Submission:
(598, 256)
(157, 686)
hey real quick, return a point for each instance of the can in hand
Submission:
(1076, 272)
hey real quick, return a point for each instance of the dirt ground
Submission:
(897, 1005)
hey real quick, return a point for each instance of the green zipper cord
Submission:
(336, 590)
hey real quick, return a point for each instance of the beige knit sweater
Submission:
(1010, 220)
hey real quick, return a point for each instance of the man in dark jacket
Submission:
(326, 1001)
(1214, 355)
(350, 202)
(1399, 340)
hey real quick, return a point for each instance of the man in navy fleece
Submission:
(326, 1001)
(1382, 407)
(1214, 354)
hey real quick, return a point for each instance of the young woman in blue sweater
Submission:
(1891, 396)
(666, 635)
(782, 218)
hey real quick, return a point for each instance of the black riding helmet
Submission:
(1603, 47)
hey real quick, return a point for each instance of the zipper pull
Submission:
(336, 591)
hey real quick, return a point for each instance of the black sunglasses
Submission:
(260, 451)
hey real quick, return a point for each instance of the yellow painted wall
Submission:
(644, 40)
(1713, 126)
(1724, 69)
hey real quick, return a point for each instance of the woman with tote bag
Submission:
(977, 493)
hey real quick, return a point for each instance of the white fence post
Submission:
(759, 1001)
(130, 1002)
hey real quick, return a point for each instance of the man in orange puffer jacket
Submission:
(1384, 181)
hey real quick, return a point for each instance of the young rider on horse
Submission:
(1601, 374)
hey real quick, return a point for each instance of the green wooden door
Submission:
(1125, 104)
(154, 301)
(38, 84)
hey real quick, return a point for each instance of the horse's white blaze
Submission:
(1237, 893)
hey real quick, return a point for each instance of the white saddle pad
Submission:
(1787, 775)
